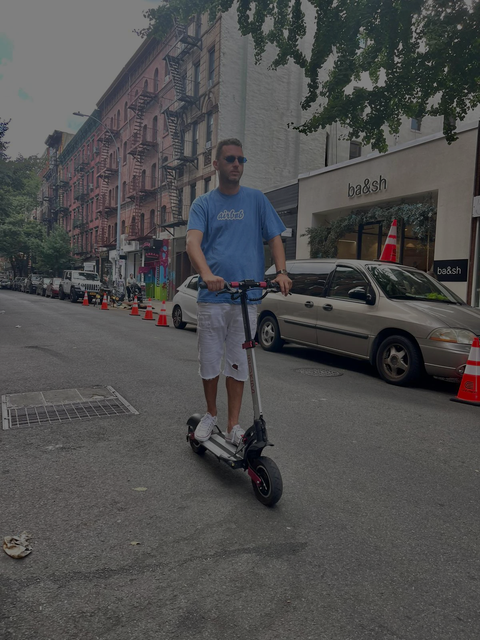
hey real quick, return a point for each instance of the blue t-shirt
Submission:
(234, 228)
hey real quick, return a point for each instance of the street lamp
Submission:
(119, 189)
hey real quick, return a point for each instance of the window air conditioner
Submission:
(90, 186)
(96, 150)
(208, 144)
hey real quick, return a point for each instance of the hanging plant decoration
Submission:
(323, 240)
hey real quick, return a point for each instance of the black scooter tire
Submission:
(271, 489)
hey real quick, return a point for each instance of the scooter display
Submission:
(265, 475)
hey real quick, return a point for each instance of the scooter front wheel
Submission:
(270, 489)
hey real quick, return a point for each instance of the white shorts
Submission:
(220, 330)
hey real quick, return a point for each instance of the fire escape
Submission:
(107, 170)
(185, 97)
(140, 143)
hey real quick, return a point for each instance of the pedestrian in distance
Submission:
(225, 234)
(131, 282)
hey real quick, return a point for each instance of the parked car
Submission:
(17, 283)
(74, 284)
(399, 318)
(33, 281)
(184, 309)
(52, 288)
(23, 286)
(5, 283)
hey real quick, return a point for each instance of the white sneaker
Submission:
(205, 427)
(235, 436)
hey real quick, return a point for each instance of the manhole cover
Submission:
(64, 405)
(319, 373)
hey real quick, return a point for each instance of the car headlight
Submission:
(458, 336)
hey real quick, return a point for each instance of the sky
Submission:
(57, 57)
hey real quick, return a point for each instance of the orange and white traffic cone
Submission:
(469, 391)
(134, 311)
(389, 253)
(148, 313)
(104, 306)
(85, 300)
(162, 316)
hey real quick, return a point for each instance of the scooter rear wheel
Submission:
(270, 490)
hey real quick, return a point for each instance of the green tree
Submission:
(19, 236)
(54, 252)
(420, 57)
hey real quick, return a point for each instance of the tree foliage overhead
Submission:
(421, 57)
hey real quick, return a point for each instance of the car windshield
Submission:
(36, 278)
(403, 284)
(86, 275)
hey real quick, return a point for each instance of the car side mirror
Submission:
(361, 293)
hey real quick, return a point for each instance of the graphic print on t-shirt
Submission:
(230, 215)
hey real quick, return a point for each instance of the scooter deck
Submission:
(222, 449)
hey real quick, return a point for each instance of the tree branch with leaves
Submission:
(371, 62)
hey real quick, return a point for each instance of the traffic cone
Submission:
(389, 253)
(162, 317)
(104, 306)
(469, 391)
(85, 300)
(148, 313)
(134, 311)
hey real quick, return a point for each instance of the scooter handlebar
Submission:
(245, 285)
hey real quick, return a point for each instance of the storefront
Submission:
(428, 186)
(155, 269)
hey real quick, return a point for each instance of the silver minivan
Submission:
(399, 318)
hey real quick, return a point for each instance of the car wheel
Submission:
(73, 295)
(269, 334)
(61, 294)
(399, 361)
(177, 318)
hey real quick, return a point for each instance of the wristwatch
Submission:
(283, 271)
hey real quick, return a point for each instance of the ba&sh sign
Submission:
(451, 270)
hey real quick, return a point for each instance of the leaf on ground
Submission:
(140, 489)
(134, 543)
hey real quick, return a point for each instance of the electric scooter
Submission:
(247, 455)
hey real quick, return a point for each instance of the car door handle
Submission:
(309, 304)
(328, 307)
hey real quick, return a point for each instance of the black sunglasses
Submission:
(231, 159)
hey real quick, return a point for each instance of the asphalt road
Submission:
(376, 536)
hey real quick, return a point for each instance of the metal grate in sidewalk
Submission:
(93, 403)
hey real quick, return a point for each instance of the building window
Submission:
(124, 191)
(327, 148)
(416, 124)
(144, 133)
(142, 224)
(163, 215)
(194, 139)
(152, 219)
(123, 227)
(165, 124)
(211, 66)
(125, 113)
(198, 26)
(196, 80)
(118, 119)
(206, 185)
(155, 81)
(116, 194)
(125, 152)
(145, 85)
(193, 192)
(209, 128)
(153, 176)
(143, 179)
(166, 71)
(155, 129)
(355, 150)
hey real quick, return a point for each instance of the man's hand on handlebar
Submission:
(213, 283)
(284, 283)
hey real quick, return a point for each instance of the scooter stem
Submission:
(249, 346)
